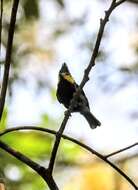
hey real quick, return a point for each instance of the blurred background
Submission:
(48, 33)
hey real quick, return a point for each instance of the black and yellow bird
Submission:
(65, 90)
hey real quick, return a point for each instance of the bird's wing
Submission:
(82, 99)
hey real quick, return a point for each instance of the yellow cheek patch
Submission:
(69, 78)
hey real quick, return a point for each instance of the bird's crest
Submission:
(64, 69)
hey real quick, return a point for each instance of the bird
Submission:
(66, 88)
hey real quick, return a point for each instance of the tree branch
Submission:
(57, 140)
(36, 167)
(121, 150)
(8, 56)
(133, 1)
(83, 82)
(119, 2)
(9, 130)
(104, 158)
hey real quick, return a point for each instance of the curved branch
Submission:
(27, 128)
(104, 158)
(8, 56)
(120, 2)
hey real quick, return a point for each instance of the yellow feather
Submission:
(69, 78)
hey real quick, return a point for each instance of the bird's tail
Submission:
(91, 119)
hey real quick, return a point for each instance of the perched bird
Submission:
(65, 90)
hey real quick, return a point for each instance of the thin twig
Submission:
(36, 167)
(121, 150)
(127, 158)
(8, 56)
(84, 80)
(104, 158)
(103, 22)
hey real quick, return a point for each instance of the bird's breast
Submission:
(65, 92)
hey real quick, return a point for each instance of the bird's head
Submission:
(64, 73)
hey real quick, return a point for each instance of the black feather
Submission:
(91, 119)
